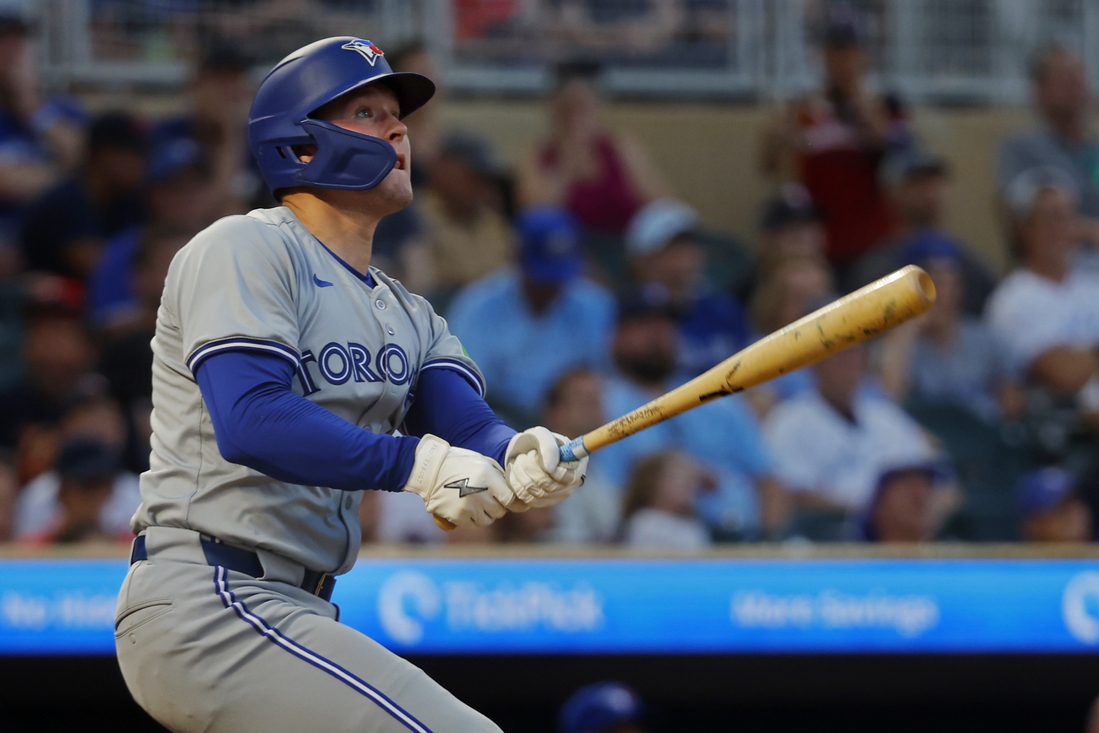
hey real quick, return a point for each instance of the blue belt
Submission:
(243, 561)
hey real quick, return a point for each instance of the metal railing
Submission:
(973, 51)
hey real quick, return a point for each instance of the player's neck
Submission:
(348, 233)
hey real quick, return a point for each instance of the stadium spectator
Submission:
(59, 357)
(41, 140)
(790, 228)
(1045, 313)
(86, 470)
(97, 419)
(723, 435)
(1064, 140)
(526, 326)
(533, 525)
(126, 356)
(1050, 509)
(603, 707)
(834, 142)
(67, 229)
(220, 95)
(177, 194)
(788, 290)
(946, 357)
(916, 182)
(9, 493)
(574, 406)
(602, 176)
(659, 503)
(463, 220)
(616, 30)
(664, 251)
(902, 508)
(831, 444)
(424, 127)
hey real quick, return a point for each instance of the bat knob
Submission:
(444, 525)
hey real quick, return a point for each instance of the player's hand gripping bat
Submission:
(868, 312)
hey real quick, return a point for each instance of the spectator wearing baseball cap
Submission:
(722, 435)
(1050, 509)
(909, 503)
(833, 141)
(1045, 312)
(789, 228)
(916, 179)
(86, 470)
(219, 93)
(178, 195)
(664, 251)
(528, 324)
(945, 357)
(1064, 139)
(603, 707)
(465, 230)
(66, 230)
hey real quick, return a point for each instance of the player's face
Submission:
(374, 110)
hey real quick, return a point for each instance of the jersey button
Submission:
(389, 330)
(347, 502)
(380, 304)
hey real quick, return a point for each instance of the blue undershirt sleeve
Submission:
(449, 406)
(259, 422)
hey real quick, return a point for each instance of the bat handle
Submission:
(574, 450)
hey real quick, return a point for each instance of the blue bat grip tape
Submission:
(573, 450)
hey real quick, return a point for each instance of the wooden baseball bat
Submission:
(868, 312)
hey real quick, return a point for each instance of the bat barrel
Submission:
(864, 314)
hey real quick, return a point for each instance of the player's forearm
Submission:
(447, 405)
(260, 423)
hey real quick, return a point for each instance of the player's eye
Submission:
(364, 113)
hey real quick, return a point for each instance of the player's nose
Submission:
(395, 129)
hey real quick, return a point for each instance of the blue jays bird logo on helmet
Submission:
(369, 51)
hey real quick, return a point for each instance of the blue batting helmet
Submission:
(302, 83)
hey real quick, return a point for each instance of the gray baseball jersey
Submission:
(263, 282)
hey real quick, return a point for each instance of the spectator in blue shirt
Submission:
(220, 91)
(664, 252)
(66, 231)
(177, 195)
(723, 435)
(527, 326)
(41, 140)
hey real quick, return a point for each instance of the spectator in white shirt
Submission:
(1045, 312)
(831, 444)
(659, 503)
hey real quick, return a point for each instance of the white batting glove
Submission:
(534, 469)
(463, 487)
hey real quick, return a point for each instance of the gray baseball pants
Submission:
(203, 648)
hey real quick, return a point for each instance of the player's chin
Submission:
(396, 189)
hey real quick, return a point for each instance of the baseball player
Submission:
(289, 377)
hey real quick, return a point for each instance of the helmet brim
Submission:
(412, 90)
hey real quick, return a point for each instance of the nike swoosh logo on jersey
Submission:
(320, 283)
(464, 489)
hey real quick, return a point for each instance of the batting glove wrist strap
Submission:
(463, 487)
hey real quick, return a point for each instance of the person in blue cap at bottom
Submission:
(1050, 509)
(527, 326)
(603, 707)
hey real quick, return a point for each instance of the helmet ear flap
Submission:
(344, 159)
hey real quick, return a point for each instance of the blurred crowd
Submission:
(583, 288)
